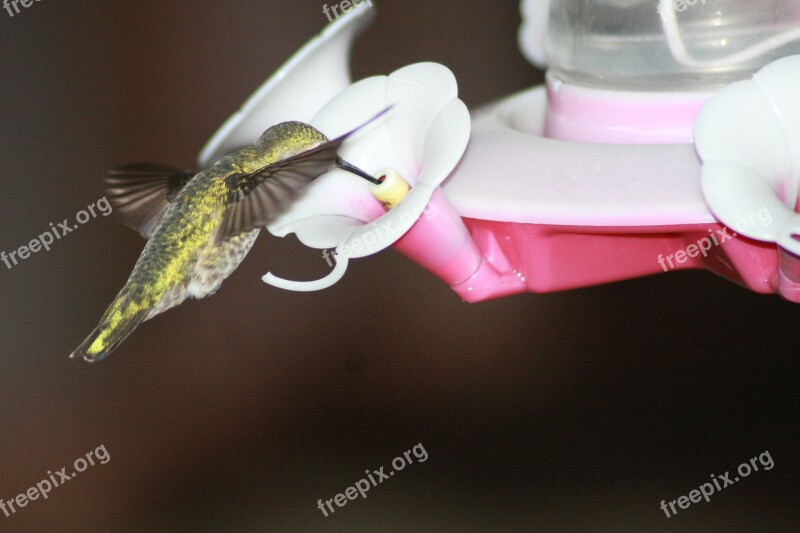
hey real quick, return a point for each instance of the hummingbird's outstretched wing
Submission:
(264, 193)
(258, 197)
(141, 193)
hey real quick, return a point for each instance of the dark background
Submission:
(577, 411)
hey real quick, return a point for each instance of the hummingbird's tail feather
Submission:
(119, 321)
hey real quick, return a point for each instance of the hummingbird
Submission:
(201, 226)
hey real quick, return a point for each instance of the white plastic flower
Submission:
(422, 138)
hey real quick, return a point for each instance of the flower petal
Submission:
(444, 146)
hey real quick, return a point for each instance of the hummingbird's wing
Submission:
(264, 193)
(141, 193)
(261, 195)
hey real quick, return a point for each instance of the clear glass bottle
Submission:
(667, 45)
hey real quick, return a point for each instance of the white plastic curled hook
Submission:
(328, 281)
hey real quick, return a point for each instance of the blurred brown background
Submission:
(577, 411)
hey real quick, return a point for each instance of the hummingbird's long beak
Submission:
(344, 165)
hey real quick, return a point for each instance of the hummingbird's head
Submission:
(291, 138)
(287, 139)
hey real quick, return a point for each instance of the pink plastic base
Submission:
(553, 258)
(440, 242)
(483, 259)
